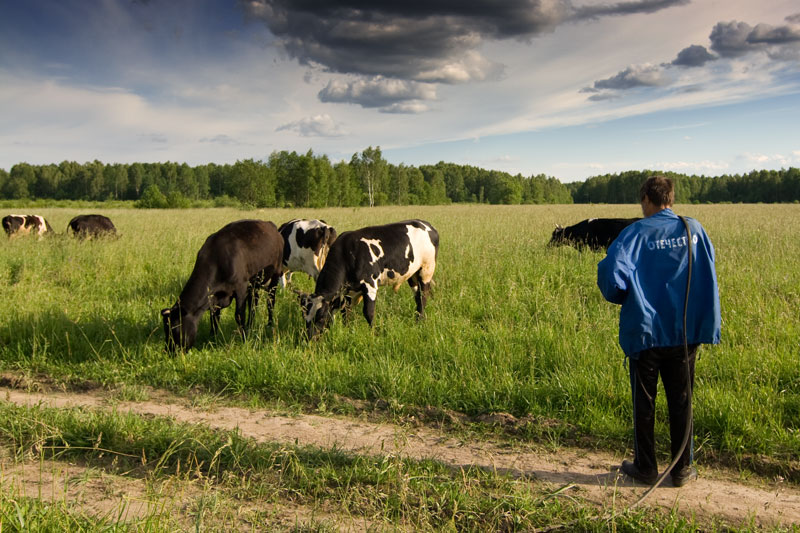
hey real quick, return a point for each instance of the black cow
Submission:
(596, 233)
(16, 225)
(305, 247)
(362, 260)
(91, 226)
(234, 262)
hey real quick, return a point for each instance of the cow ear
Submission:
(303, 297)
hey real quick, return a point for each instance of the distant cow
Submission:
(15, 225)
(305, 247)
(596, 233)
(91, 226)
(362, 260)
(234, 262)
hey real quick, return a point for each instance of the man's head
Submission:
(656, 193)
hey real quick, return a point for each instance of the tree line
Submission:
(289, 179)
(285, 179)
(764, 186)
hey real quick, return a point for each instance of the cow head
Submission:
(316, 313)
(12, 224)
(179, 329)
(558, 235)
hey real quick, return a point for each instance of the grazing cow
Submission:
(362, 260)
(595, 233)
(234, 262)
(91, 226)
(15, 225)
(305, 247)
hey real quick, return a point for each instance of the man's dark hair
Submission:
(660, 191)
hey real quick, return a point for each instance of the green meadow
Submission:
(514, 326)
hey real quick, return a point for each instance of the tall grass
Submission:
(514, 325)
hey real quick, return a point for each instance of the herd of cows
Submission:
(245, 257)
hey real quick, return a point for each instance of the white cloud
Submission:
(316, 126)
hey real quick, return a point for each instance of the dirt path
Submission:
(717, 493)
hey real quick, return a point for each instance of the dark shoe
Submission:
(684, 476)
(630, 469)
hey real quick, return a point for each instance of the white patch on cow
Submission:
(302, 259)
(591, 220)
(372, 289)
(42, 224)
(424, 253)
(373, 243)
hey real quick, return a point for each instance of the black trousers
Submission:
(677, 374)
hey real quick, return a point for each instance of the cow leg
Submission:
(420, 289)
(272, 289)
(370, 294)
(251, 302)
(242, 296)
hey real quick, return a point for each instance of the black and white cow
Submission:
(91, 226)
(233, 263)
(16, 225)
(362, 260)
(596, 233)
(305, 247)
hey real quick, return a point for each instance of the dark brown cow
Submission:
(233, 263)
(91, 226)
(595, 233)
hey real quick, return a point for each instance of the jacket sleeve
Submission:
(613, 274)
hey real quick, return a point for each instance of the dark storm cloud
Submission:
(433, 41)
(693, 56)
(793, 19)
(414, 40)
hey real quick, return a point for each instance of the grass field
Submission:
(514, 326)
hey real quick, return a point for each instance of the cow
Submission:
(305, 247)
(84, 226)
(233, 263)
(16, 225)
(596, 233)
(360, 261)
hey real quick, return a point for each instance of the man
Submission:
(646, 271)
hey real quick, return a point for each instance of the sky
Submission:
(566, 88)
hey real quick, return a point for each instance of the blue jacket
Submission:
(645, 271)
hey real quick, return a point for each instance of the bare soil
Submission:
(718, 494)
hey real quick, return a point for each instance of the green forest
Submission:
(289, 179)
